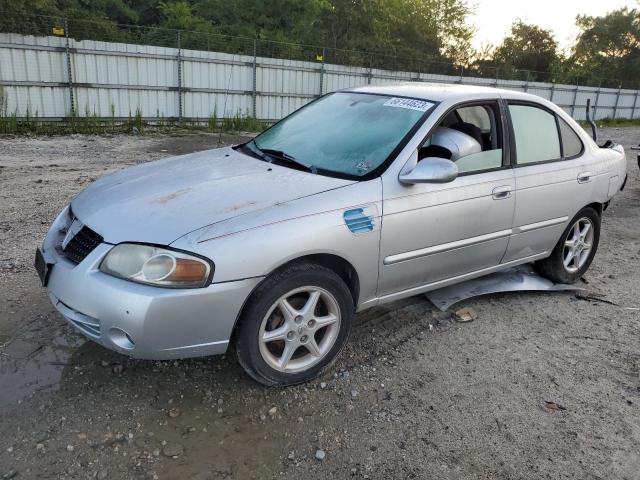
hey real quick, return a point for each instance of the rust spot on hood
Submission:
(240, 206)
(172, 196)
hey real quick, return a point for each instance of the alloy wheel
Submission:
(577, 245)
(299, 329)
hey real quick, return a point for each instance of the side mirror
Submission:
(431, 170)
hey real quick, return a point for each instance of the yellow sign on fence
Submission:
(58, 31)
(319, 58)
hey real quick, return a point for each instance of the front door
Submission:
(433, 232)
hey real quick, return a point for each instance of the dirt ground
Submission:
(540, 385)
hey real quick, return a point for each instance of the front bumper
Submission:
(139, 320)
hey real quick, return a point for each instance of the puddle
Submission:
(27, 367)
(219, 431)
(227, 446)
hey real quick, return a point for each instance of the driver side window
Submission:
(471, 137)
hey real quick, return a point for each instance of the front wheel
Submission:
(575, 250)
(294, 325)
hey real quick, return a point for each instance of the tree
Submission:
(417, 30)
(483, 64)
(528, 47)
(607, 51)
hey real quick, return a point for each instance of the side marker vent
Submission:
(357, 221)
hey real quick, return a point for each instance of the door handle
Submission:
(584, 177)
(500, 193)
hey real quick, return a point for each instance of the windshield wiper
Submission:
(253, 149)
(268, 155)
(286, 158)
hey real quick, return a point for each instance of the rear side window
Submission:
(536, 134)
(571, 143)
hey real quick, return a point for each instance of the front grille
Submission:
(85, 241)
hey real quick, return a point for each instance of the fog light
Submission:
(121, 338)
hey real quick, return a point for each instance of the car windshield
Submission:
(346, 133)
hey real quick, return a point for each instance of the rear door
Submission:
(552, 178)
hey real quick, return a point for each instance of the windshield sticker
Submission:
(409, 103)
(366, 166)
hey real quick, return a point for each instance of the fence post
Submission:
(635, 103)
(322, 72)
(575, 99)
(69, 73)
(553, 90)
(255, 75)
(179, 60)
(370, 69)
(526, 85)
(615, 107)
(595, 106)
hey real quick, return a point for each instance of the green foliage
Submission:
(608, 48)
(4, 102)
(8, 122)
(137, 121)
(425, 30)
(528, 47)
(242, 123)
(412, 35)
(613, 122)
(606, 53)
(527, 53)
(90, 123)
(212, 122)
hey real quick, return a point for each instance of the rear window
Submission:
(571, 143)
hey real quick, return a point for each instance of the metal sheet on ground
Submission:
(515, 279)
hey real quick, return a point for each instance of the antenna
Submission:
(594, 131)
(224, 107)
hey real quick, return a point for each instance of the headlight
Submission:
(156, 266)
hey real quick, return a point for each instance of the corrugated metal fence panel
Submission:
(118, 79)
(31, 65)
(124, 78)
(563, 95)
(42, 62)
(284, 85)
(434, 77)
(46, 102)
(216, 83)
(339, 77)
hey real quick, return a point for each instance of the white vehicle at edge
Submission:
(361, 197)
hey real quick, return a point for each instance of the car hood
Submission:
(160, 201)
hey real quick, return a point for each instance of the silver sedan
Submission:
(361, 197)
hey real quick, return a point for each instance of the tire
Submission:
(310, 334)
(555, 267)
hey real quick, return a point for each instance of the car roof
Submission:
(439, 92)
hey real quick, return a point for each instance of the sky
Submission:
(493, 18)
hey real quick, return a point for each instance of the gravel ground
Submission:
(540, 385)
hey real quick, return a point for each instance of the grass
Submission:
(613, 122)
(240, 123)
(91, 123)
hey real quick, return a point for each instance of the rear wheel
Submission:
(575, 250)
(294, 325)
